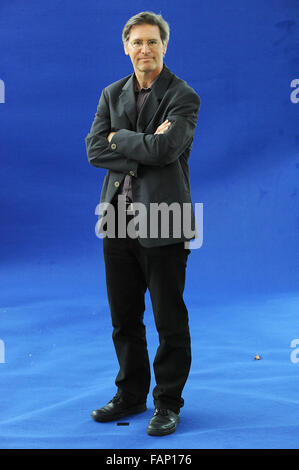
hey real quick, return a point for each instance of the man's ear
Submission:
(126, 48)
(165, 47)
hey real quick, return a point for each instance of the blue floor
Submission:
(60, 364)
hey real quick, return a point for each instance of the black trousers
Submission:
(131, 269)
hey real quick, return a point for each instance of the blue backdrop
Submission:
(57, 361)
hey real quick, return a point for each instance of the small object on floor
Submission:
(123, 424)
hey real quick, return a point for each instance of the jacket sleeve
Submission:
(99, 152)
(162, 149)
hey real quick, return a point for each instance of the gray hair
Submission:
(147, 17)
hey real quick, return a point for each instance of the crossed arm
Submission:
(160, 130)
(123, 150)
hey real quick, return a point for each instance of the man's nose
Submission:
(145, 47)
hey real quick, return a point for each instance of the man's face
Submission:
(146, 58)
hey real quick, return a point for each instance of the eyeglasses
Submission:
(138, 44)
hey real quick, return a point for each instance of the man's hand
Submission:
(163, 127)
(110, 136)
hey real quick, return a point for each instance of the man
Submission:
(142, 134)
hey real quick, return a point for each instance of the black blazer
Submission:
(158, 164)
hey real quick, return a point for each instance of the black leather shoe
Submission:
(163, 422)
(117, 408)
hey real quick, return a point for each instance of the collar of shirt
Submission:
(136, 85)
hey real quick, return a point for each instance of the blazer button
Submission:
(113, 146)
(132, 173)
(116, 184)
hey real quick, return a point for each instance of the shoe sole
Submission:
(129, 411)
(153, 432)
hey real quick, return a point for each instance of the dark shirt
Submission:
(141, 97)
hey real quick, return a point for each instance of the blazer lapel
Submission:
(150, 107)
(128, 101)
